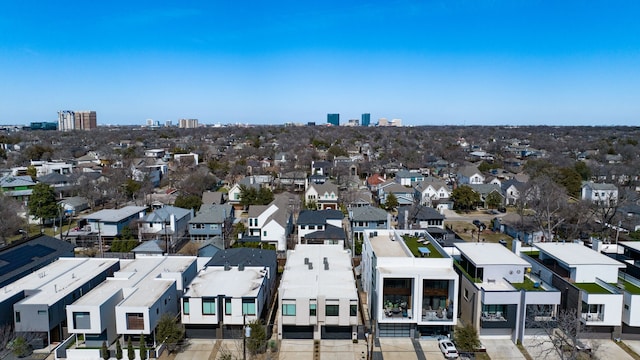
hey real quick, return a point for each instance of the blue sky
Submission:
(458, 62)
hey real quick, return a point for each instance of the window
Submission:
(213, 227)
(289, 309)
(353, 310)
(42, 312)
(248, 307)
(227, 306)
(319, 227)
(264, 233)
(185, 306)
(17, 316)
(312, 227)
(332, 310)
(135, 321)
(208, 306)
(81, 320)
(312, 309)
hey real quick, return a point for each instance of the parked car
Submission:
(477, 222)
(448, 349)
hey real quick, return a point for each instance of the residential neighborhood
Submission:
(228, 235)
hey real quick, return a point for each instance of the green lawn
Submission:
(629, 287)
(527, 285)
(413, 245)
(592, 288)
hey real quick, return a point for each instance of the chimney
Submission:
(241, 267)
(306, 260)
(227, 267)
(326, 266)
(310, 266)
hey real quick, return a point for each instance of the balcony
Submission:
(592, 317)
(437, 314)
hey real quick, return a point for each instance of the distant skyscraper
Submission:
(77, 120)
(188, 123)
(365, 120)
(333, 119)
(167, 123)
(149, 122)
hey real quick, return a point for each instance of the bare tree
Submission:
(564, 337)
(549, 201)
(11, 222)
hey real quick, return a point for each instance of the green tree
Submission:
(570, 179)
(11, 222)
(257, 342)
(391, 202)
(131, 354)
(493, 200)
(464, 198)
(118, 350)
(20, 347)
(253, 196)
(104, 351)
(32, 171)
(186, 201)
(583, 169)
(42, 203)
(466, 338)
(143, 348)
(131, 187)
(170, 332)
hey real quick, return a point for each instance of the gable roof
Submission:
(307, 217)
(150, 247)
(15, 181)
(330, 233)
(419, 213)
(485, 189)
(469, 171)
(54, 178)
(375, 179)
(165, 212)
(368, 213)
(327, 187)
(113, 215)
(213, 214)
(212, 197)
(431, 181)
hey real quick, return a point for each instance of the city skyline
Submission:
(456, 62)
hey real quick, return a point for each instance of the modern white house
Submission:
(412, 291)
(234, 288)
(588, 280)
(317, 296)
(629, 284)
(36, 303)
(132, 301)
(498, 293)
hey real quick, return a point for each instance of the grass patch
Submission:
(592, 288)
(527, 285)
(468, 232)
(630, 288)
(413, 245)
(628, 350)
(524, 351)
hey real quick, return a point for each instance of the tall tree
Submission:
(143, 348)
(170, 332)
(11, 222)
(42, 203)
(118, 350)
(464, 198)
(549, 202)
(391, 202)
(131, 354)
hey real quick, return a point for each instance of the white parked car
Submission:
(448, 348)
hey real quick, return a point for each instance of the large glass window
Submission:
(135, 321)
(81, 320)
(248, 307)
(289, 309)
(208, 306)
(185, 306)
(227, 306)
(312, 309)
(353, 310)
(332, 310)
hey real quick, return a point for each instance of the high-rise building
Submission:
(188, 123)
(77, 120)
(365, 120)
(333, 119)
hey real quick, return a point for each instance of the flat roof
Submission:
(214, 280)
(298, 281)
(484, 254)
(55, 281)
(574, 254)
(634, 245)
(142, 278)
(430, 273)
(386, 245)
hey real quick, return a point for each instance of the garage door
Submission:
(336, 332)
(394, 330)
(297, 332)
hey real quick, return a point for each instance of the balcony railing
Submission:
(497, 316)
(592, 316)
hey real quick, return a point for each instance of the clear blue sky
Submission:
(459, 62)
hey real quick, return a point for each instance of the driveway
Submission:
(503, 349)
